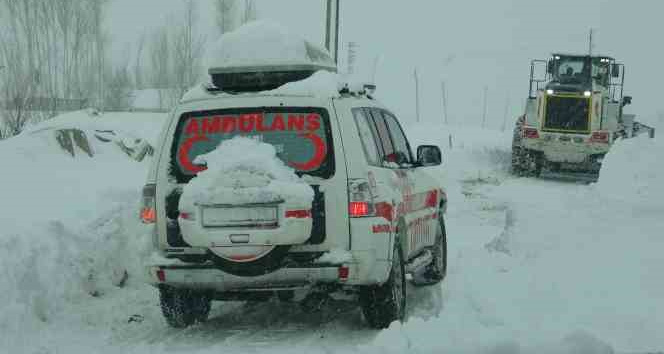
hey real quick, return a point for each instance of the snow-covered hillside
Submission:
(535, 265)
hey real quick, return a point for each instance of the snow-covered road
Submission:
(534, 265)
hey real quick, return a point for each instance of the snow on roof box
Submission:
(262, 56)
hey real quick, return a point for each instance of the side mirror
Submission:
(615, 70)
(627, 100)
(429, 155)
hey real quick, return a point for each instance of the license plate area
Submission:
(242, 217)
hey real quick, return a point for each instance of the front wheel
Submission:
(435, 271)
(518, 161)
(386, 303)
(183, 307)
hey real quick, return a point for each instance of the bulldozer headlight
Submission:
(549, 92)
(587, 93)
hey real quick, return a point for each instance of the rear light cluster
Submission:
(359, 209)
(148, 208)
(432, 199)
(298, 214)
(161, 275)
(530, 133)
(343, 273)
(360, 198)
(599, 137)
(187, 216)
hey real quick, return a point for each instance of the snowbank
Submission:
(69, 223)
(633, 172)
(262, 43)
(244, 171)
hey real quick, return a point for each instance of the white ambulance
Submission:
(376, 213)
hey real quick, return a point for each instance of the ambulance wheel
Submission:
(435, 271)
(386, 303)
(183, 307)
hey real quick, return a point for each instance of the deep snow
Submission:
(534, 265)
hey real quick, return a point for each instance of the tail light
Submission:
(600, 137)
(432, 199)
(298, 214)
(187, 216)
(343, 273)
(530, 133)
(360, 199)
(148, 209)
(161, 275)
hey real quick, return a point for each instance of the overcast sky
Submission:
(469, 44)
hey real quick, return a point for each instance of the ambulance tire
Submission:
(435, 271)
(386, 303)
(183, 307)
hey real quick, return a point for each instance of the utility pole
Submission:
(373, 69)
(444, 97)
(352, 55)
(417, 97)
(486, 92)
(590, 43)
(507, 107)
(332, 29)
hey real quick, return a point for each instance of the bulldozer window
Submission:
(572, 70)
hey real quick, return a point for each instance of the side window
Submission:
(367, 136)
(383, 136)
(399, 140)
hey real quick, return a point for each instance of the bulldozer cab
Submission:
(579, 73)
(583, 70)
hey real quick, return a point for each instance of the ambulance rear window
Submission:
(301, 137)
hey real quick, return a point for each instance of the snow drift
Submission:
(69, 225)
(633, 172)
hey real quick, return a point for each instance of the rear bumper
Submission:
(566, 152)
(209, 277)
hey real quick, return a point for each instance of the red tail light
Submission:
(161, 275)
(187, 216)
(600, 137)
(148, 215)
(358, 209)
(530, 133)
(148, 209)
(344, 272)
(432, 199)
(298, 214)
(361, 200)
